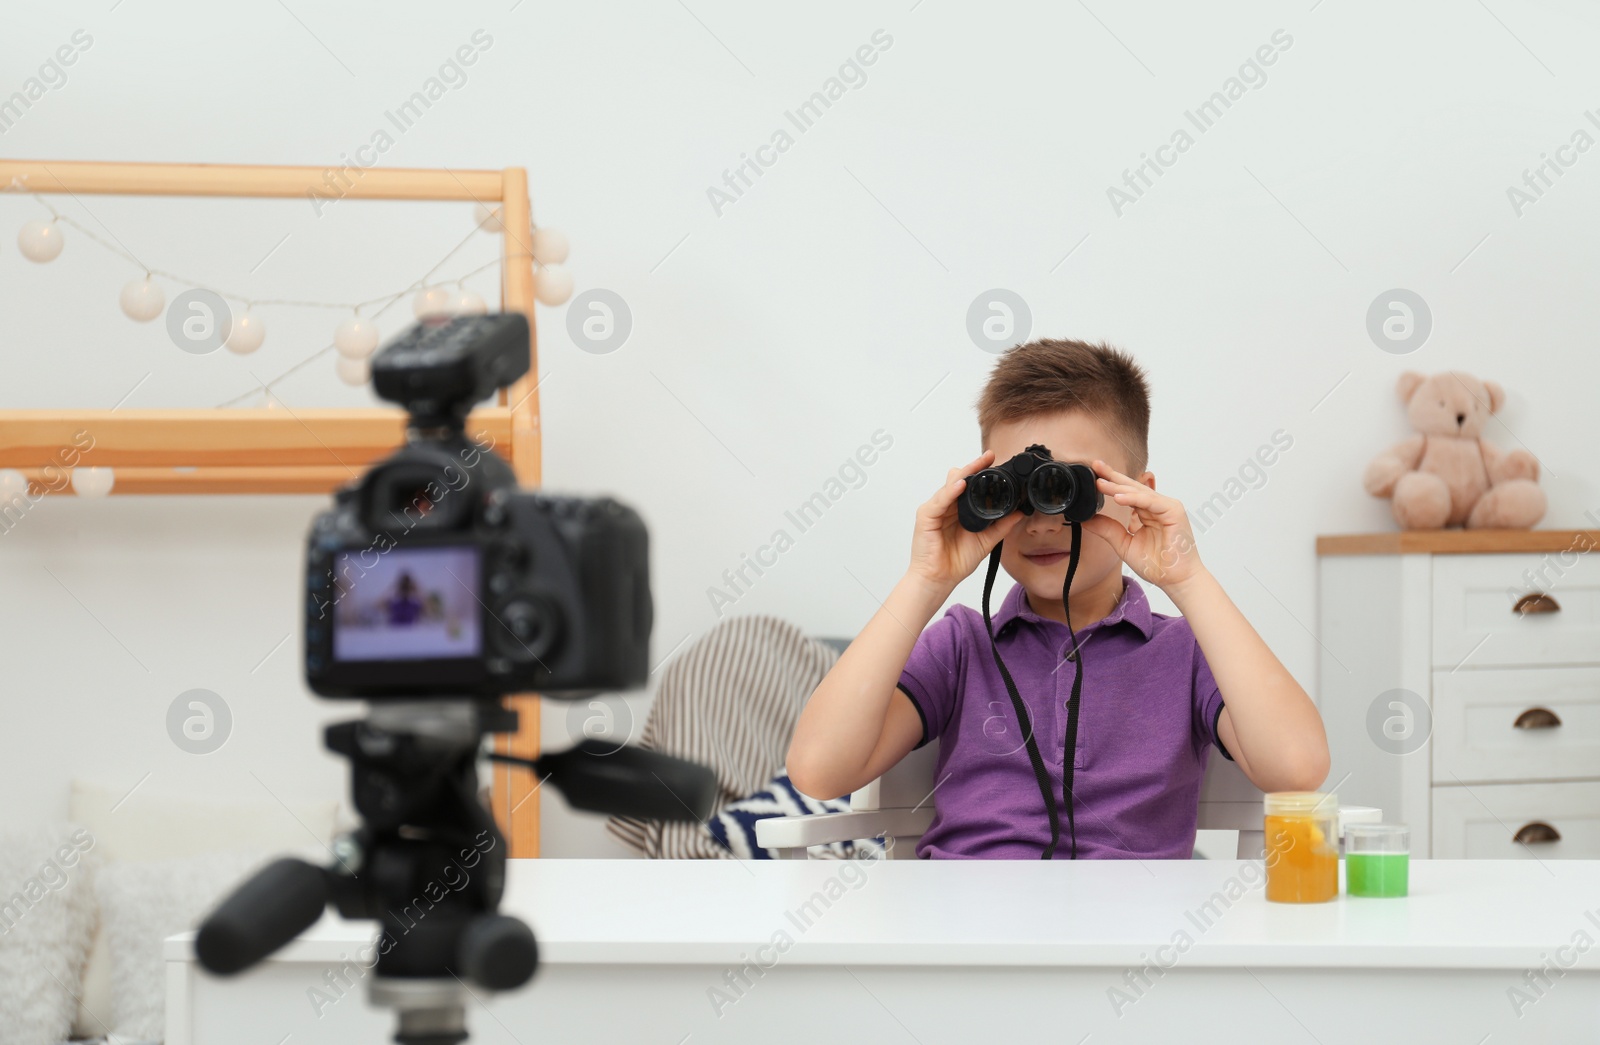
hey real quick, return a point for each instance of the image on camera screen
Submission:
(414, 604)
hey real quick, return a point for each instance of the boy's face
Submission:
(1035, 554)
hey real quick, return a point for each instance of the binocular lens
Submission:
(991, 494)
(1051, 488)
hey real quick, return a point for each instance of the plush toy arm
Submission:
(1387, 468)
(1508, 464)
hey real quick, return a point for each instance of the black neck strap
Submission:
(1026, 723)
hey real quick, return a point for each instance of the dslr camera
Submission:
(435, 575)
(434, 587)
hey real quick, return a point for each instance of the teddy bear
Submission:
(1447, 474)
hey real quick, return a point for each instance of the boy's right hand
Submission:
(943, 552)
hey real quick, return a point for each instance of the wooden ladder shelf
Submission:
(260, 450)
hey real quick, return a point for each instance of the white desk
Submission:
(989, 951)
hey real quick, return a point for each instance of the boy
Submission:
(1157, 690)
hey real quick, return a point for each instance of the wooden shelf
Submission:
(259, 441)
(221, 179)
(302, 479)
(1457, 542)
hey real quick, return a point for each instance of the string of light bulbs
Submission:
(356, 338)
(355, 341)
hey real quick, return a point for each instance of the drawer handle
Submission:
(1536, 602)
(1538, 831)
(1537, 718)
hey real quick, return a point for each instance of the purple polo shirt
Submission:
(1147, 716)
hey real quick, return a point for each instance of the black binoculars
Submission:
(1034, 482)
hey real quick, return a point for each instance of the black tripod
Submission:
(429, 863)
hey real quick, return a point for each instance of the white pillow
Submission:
(46, 923)
(149, 824)
(153, 825)
(142, 902)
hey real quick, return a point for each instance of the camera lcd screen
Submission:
(407, 604)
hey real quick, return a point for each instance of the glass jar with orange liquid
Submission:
(1302, 846)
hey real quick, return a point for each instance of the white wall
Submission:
(772, 340)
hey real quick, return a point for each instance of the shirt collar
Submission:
(1133, 607)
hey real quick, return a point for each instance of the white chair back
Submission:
(1228, 801)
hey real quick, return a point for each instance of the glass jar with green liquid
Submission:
(1377, 859)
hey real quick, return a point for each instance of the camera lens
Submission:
(991, 494)
(1051, 488)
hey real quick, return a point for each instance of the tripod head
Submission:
(428, 862)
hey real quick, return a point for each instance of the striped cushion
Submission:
(734, 829)
(730, 701)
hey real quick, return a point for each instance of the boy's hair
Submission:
(1052, 376)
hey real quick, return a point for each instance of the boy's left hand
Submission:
(1157, 542)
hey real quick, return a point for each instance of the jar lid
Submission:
(1301, 803)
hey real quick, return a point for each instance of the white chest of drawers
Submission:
(1459, 678)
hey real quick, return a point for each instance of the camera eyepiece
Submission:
(417, 490)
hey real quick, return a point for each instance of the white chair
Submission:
(898, 807)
